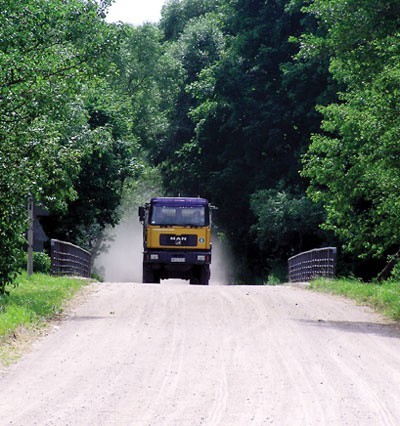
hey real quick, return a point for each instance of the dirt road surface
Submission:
(175, 354)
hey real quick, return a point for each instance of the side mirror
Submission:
(213, 212)
(142, 213)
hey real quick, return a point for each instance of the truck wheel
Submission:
(150, 276)
(195, 275)
(205, 275)
(194, 280)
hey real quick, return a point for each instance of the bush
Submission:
(395, 273)
(11, 238)
(41, 262)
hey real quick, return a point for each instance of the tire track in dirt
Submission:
(170, 372)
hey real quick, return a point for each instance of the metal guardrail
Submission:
(312, 264)
(69, 259)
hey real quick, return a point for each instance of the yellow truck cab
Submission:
(176, 239)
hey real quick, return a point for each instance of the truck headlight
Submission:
(201, 257)
(154, 257)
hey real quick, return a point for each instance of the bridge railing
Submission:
(69, 259)
(313, 264)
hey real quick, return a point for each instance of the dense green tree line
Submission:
(245, 115)
(71, 118)
(250, 103)
(295, 86)
(128, 107)
(353, 163)
(48, 57)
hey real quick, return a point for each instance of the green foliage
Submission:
(383, 297)
(41, 262)
(353, 165)
(242, 119)
(11, 240)
(221, 97)
(395, 274)
(99, 189)
(177, 13)
(34, 300)
(50, 54)
(138, 191)
(285, 222)
(200, 45)
(128, 117)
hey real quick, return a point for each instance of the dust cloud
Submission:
(221, 263)
(122, 261)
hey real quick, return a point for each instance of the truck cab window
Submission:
(180, 216)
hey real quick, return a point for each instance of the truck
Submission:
(176, 239)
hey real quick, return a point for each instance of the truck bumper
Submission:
(177, 257)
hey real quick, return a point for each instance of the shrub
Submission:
(41, 262)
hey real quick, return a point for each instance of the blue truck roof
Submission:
(179, 201)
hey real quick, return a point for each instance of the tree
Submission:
(176, 14)
(49, 52)
(352, 163)
(281, 223)
(244, 118)
(200, 45)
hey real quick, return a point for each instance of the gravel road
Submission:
(175, 354)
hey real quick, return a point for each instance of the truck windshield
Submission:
(181, 216)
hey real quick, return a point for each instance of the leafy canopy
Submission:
(50, 53)
(353, 164)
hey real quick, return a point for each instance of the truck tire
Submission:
(150, 276)
(201, 275)
(194, 280)
(205, 275)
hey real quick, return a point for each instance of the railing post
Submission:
(29, 265)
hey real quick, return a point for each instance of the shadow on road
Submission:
(387, 330)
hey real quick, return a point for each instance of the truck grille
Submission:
(178, 240)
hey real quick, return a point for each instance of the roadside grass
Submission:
(28, 306)
(383, 297)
